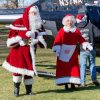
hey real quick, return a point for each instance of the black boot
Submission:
(72, 86)
(66, 86)
(28, 89)
(16, 89)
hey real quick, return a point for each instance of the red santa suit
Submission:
(21, 59)
(67, 66)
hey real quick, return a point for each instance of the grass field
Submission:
(44, 88)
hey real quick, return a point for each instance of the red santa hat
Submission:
(26, 14)
(25, 18)
(81, 18)
(67, 17)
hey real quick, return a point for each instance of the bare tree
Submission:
(10, 4)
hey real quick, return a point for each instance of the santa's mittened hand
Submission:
(89, 47)
(22, 43)
(86, 45)
(29, 33)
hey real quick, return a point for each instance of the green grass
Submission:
(44, 88)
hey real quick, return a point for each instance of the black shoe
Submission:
(96, 83)
(66, 87)
(73, 86)
(28, 89)
(16, 89)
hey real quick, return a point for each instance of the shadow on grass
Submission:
(56, 91)
(64, 91)
(43, 61)
(50, 66)
(70, 90)
(26, 94)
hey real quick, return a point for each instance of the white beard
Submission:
(35, 22)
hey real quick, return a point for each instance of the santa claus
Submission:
(65, 46)
(24, 35)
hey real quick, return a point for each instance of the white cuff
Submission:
(13, 40)
(18, 38)
(29, 33)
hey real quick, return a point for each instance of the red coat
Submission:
(21, 58)
(67, 65)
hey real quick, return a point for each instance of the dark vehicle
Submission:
(94, 16)
(52, 12)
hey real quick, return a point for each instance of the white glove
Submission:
(13, 40)
(22, 43)
(86, 45)
(89, 47)
(41, 39)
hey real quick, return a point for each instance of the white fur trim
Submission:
(30, 33)
(78, 20)
(17, 28)
(66, 29)
(28, 81)
(33, 58)
(17, 79)
(67, 80)
(13, 40)
(41, 39)
(82, 20)
(13, 69)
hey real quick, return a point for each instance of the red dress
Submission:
(67, 65)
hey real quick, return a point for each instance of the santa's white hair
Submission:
(67, 17)
(34, 21)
